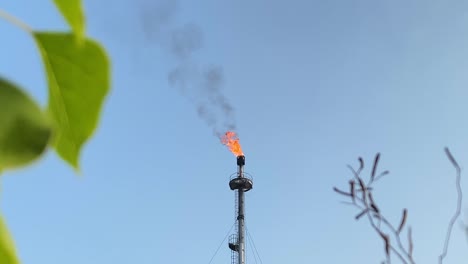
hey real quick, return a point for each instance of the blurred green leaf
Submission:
(7, 247)
(24, 128)
(73, 13)
(78, 78)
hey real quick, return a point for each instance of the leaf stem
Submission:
(15, 21)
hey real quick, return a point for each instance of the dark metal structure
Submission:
(241, 183)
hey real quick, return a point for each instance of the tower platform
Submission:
(244, 183)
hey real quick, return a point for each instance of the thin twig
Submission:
(398, 239)
(378, 229)
(392, 248)
(459, 203)
(15, 21)
(356, 175)
(367, 206)
(410, 242)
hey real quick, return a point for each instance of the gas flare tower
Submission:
(240, 182)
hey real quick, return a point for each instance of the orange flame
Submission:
(231, 140)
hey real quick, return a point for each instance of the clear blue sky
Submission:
(314, 84)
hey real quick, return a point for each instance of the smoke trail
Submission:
(156, 17)
(201, 84)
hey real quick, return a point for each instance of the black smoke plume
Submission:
(201, 84)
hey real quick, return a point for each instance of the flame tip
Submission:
(231, 140)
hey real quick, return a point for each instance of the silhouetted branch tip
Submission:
(361, 164)
(341, 192)
(374, 168)
(403, 220)
(361, 213)
(451, 158)
(355, 174)
(410, 242)
(459, 203)
(381, 175)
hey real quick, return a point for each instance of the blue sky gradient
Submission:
(314, 85)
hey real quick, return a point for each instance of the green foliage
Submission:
(73, 14)
(7, 248)
(24, 129)
(78, 77)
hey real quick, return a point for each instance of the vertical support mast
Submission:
(241, 183)
(240, 210)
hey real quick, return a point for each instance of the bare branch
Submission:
(361, 213)
(374, 168)
(361, 165)
(410, 242)
(367, 206)
(403, 220)
(355, 174)
(372, 203)
(386, 239)
(452, 159)
(351, 189)
(341, 192)
(347, 203)
(391, 248)
(362, 185)
(459, 203)
(398, 239)
(381, 175)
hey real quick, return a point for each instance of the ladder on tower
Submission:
(233, 239)
(234, 246)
